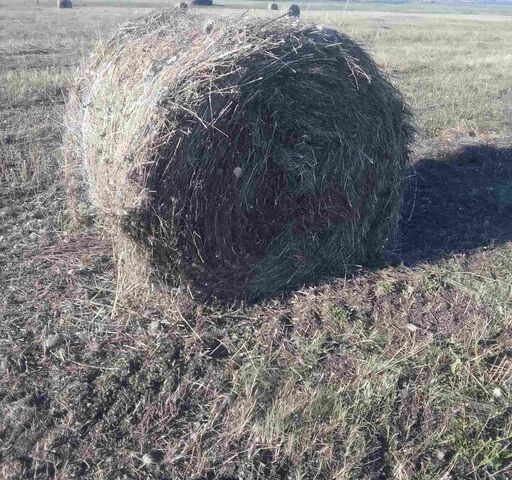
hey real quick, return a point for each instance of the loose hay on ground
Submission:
(241, 162)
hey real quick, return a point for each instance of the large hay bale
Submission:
(243, 162)
(273, 6)
(64, 4)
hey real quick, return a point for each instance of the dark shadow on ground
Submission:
(455, 203)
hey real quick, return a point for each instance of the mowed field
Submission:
(400, 372)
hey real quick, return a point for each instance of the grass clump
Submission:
(37, 84)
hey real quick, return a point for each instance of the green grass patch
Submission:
(18, 86)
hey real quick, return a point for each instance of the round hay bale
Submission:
(273, 6)
(294, 10)
(182, 5)
(64, 4)
(230, 172)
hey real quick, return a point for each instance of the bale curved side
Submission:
(244, 162)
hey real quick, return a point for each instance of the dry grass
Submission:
(33, 85)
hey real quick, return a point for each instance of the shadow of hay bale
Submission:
(241, 162)
(457, 202)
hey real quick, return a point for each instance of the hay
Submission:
(182, 5)
(243, 162)
(294, 10)
(273, 6)
(64, 4)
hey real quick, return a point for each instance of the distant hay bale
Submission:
(214, 166)
(294, 10)
(182, 5)
(273, 6)
(64, 4)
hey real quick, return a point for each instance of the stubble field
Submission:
(401, 372)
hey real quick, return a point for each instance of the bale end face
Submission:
(236, 175)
